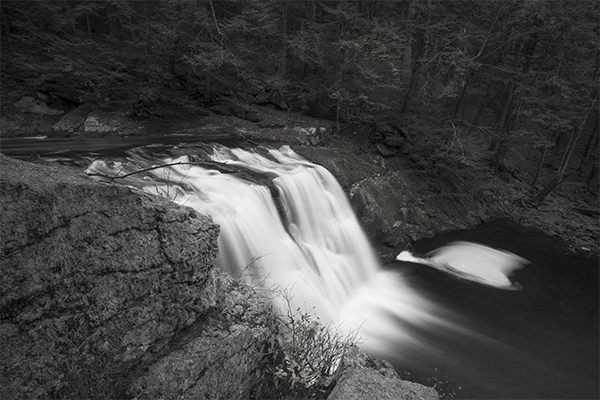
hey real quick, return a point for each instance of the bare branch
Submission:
(112, 178)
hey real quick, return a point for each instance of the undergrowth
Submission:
(306, 358)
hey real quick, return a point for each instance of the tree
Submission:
(566, 158)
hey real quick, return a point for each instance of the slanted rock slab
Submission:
(366, 378)
(111, 293)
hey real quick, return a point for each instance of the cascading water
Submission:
(317, 251)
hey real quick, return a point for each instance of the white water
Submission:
(473, 262)
(318, 251)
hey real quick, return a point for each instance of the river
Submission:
(538, 343)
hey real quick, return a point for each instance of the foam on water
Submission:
(474, 262)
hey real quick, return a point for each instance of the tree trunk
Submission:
(528, 52)
(311, 16)
(283, 38)
(311, 12)
(460, 98)
(549, 187)
(558, 149)
(114, 26)
(539, 167)
(88, 22)
(337, 116)
(591, 181)
(477, 116)
(207, 87)
(567, 155)
(417, 50)
(504, 115)
(591, 143)
(5, 24)
(67, 8)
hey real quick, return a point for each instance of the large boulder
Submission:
(111, 293)
(72, 124)
(397, 205)
(364, 377)
(87, 122)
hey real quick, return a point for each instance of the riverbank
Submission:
(400, 192)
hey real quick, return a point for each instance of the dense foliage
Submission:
(511, 84)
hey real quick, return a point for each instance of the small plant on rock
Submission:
(306, 358)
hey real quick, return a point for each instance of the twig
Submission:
(456, 139)
(215, 18)
(189, 197)
(112, 178)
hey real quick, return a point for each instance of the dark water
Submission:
(538, 343)
(71, 150)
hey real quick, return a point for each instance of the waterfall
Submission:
(307, 242)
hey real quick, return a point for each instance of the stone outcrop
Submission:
(85, 121)
(110, 293)
(368, 378)
(71, 124)
(398, 205)
(396, 208)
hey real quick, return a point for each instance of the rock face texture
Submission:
(367, 378)
(398, 205)
(109, 293)
(87, 122)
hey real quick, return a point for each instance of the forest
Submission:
(503, 84)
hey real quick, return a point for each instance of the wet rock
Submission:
(87, 122)
(272, 96)
(397, 208)
(111, 293)
(397, 205)
(72, 123)
(99, 123)
(384, 205)
(310, 136)
(367, 378)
